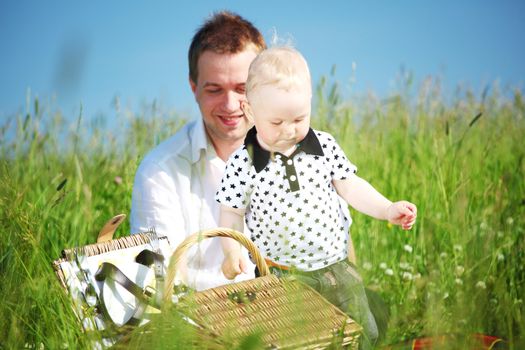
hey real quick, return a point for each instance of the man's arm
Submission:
(359, 194)
(156, 204)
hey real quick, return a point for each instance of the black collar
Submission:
(310, 145)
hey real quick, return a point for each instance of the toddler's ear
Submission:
(247, 110)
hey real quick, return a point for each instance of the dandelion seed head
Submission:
(407, 248)
(459, 270)
(382, 266)
(389, 272)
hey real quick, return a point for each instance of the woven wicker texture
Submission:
(285, 312)
(108, 246)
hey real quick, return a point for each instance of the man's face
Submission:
(282, 117)
(219, 91)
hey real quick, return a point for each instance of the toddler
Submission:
(286, 183)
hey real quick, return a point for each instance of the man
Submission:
(176, 182)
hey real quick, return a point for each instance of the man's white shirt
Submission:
(174, 192)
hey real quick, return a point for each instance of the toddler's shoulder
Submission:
(324, 137)
(240, 155)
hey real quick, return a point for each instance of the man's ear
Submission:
(247, 110)
(193, 85)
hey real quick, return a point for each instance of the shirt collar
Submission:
(260, 157)
(199, 141)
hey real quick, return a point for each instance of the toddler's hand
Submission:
(233, 265)
(402, 213)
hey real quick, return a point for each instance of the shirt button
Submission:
(293, 178)
(289, 162)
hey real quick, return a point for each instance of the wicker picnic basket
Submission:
(72, 271)
(283, 312)
(286, 313)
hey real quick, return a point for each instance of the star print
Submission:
(312, 212)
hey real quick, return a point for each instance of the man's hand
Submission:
(402, 213)
(234, 264)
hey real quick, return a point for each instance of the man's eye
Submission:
(213, 91)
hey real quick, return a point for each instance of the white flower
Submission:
(459, 281)
(417, 276)
(458, 248)
(501, 257)
(443, 255)
(459, 270)
(382, 266)
(389, 272)
(367, 266)
(510, 220)
(483, 225)
(407, 276)
(404, 265)
(407, 248)
(445, 295)
(481, 285)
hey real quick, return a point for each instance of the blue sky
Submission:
(90, 52)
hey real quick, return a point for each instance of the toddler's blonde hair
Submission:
(283, 67)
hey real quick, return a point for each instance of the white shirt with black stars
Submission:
(292, 208)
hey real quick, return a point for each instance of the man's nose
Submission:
(232, 101)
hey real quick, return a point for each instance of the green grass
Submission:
(460, 270)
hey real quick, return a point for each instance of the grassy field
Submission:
(460, 270)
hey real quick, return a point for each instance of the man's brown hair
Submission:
(223, 33)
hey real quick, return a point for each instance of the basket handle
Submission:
(197, 237)
(106, 233)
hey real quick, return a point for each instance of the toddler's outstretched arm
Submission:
(363, 197)
(234, 262)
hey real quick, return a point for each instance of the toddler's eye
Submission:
(277, 123)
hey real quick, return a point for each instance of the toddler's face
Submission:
(282, 118)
